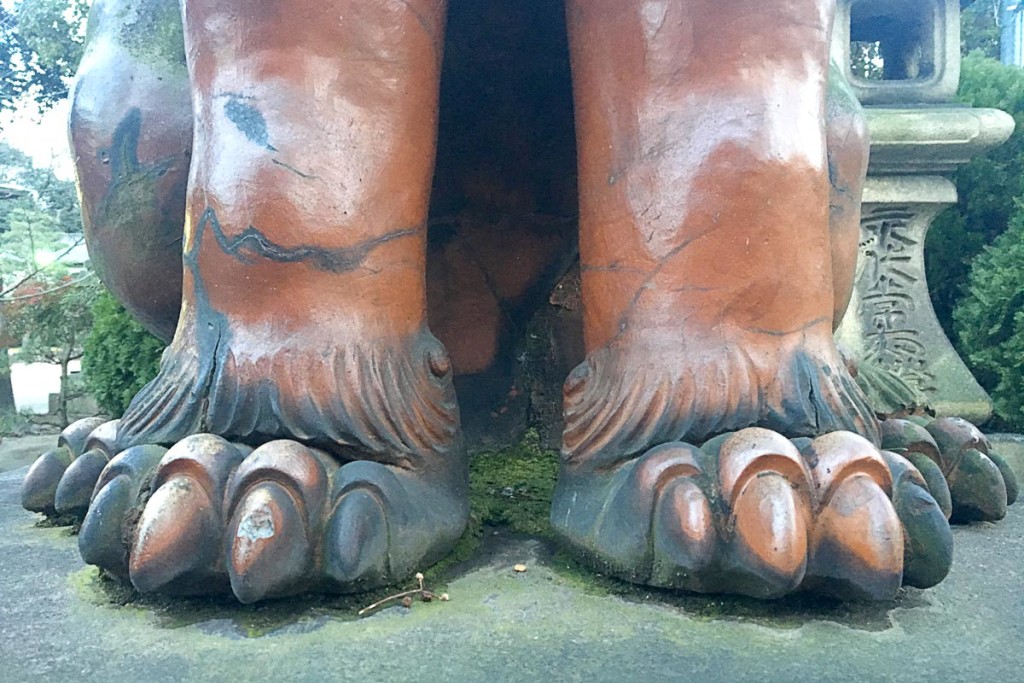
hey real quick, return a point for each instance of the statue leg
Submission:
(303, 330)
(131, 134)
(846, 136)
(709, 293)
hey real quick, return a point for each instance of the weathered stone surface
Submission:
(17, 452)
(1011, 447)
(933, 139)
(545, 623)
(890, 325)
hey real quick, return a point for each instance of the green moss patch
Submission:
(512, 487)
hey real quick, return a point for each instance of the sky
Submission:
(44, 138)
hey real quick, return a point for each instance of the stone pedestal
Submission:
(890, 327)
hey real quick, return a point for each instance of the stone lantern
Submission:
(902, 58)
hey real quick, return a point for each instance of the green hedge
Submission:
(988, 188)
(974, 262)
(120, 356)
(990, 322)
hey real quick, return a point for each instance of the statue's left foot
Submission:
(209, 516)
(754, 513)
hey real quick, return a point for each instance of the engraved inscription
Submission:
(890, 282)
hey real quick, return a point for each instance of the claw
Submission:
(179, 531)
(683, 531)
(175, 535)
(927, 538)
(40, 486)
(268, 547)
(955, 436)
(104, 438)
(770, 540)
(356, 542)
(293, 465)
(907, 435)
(684, 537)
(934, 480)
(76, 485)
(39, 490)
(767, 485)
(75, 434)
(276, 500)
(977, 489)
(857, 544)
(102, 540)
(1009, 477)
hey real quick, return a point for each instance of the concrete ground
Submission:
(21, 451)
(60, 622)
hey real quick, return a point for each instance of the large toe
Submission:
(927, 538)
(857, 547)
(976, 484)
(276, 500)
(387, 522)
(76, 484)
(356, 542)
(39, 489)
(766, 485)
(177, 541)
(685, 539)
(105, 537)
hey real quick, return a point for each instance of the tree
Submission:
(120, 356)
(37, 211)
(979, 28)
(41, 43)
(53, 315)
(39, 189)
(990, 321)
(988, 187)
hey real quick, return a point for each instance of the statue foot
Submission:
(754, 513)
(209, 516)
(369, 487)
(83, 450)
(970, 480)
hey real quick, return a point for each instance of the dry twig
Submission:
(425, 595)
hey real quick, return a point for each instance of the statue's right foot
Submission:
(971, 481)
(757, 514)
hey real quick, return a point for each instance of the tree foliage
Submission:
(990, 321)
(120, 356)
(37, 189)
(979, 28)
(41, 43)
(43, 306)
(52, 315)
(988, 187)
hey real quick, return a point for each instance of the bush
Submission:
(120, 356)
(988, 188)
(990, 321)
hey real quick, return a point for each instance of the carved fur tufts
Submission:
(616, 408)
(391, 404)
